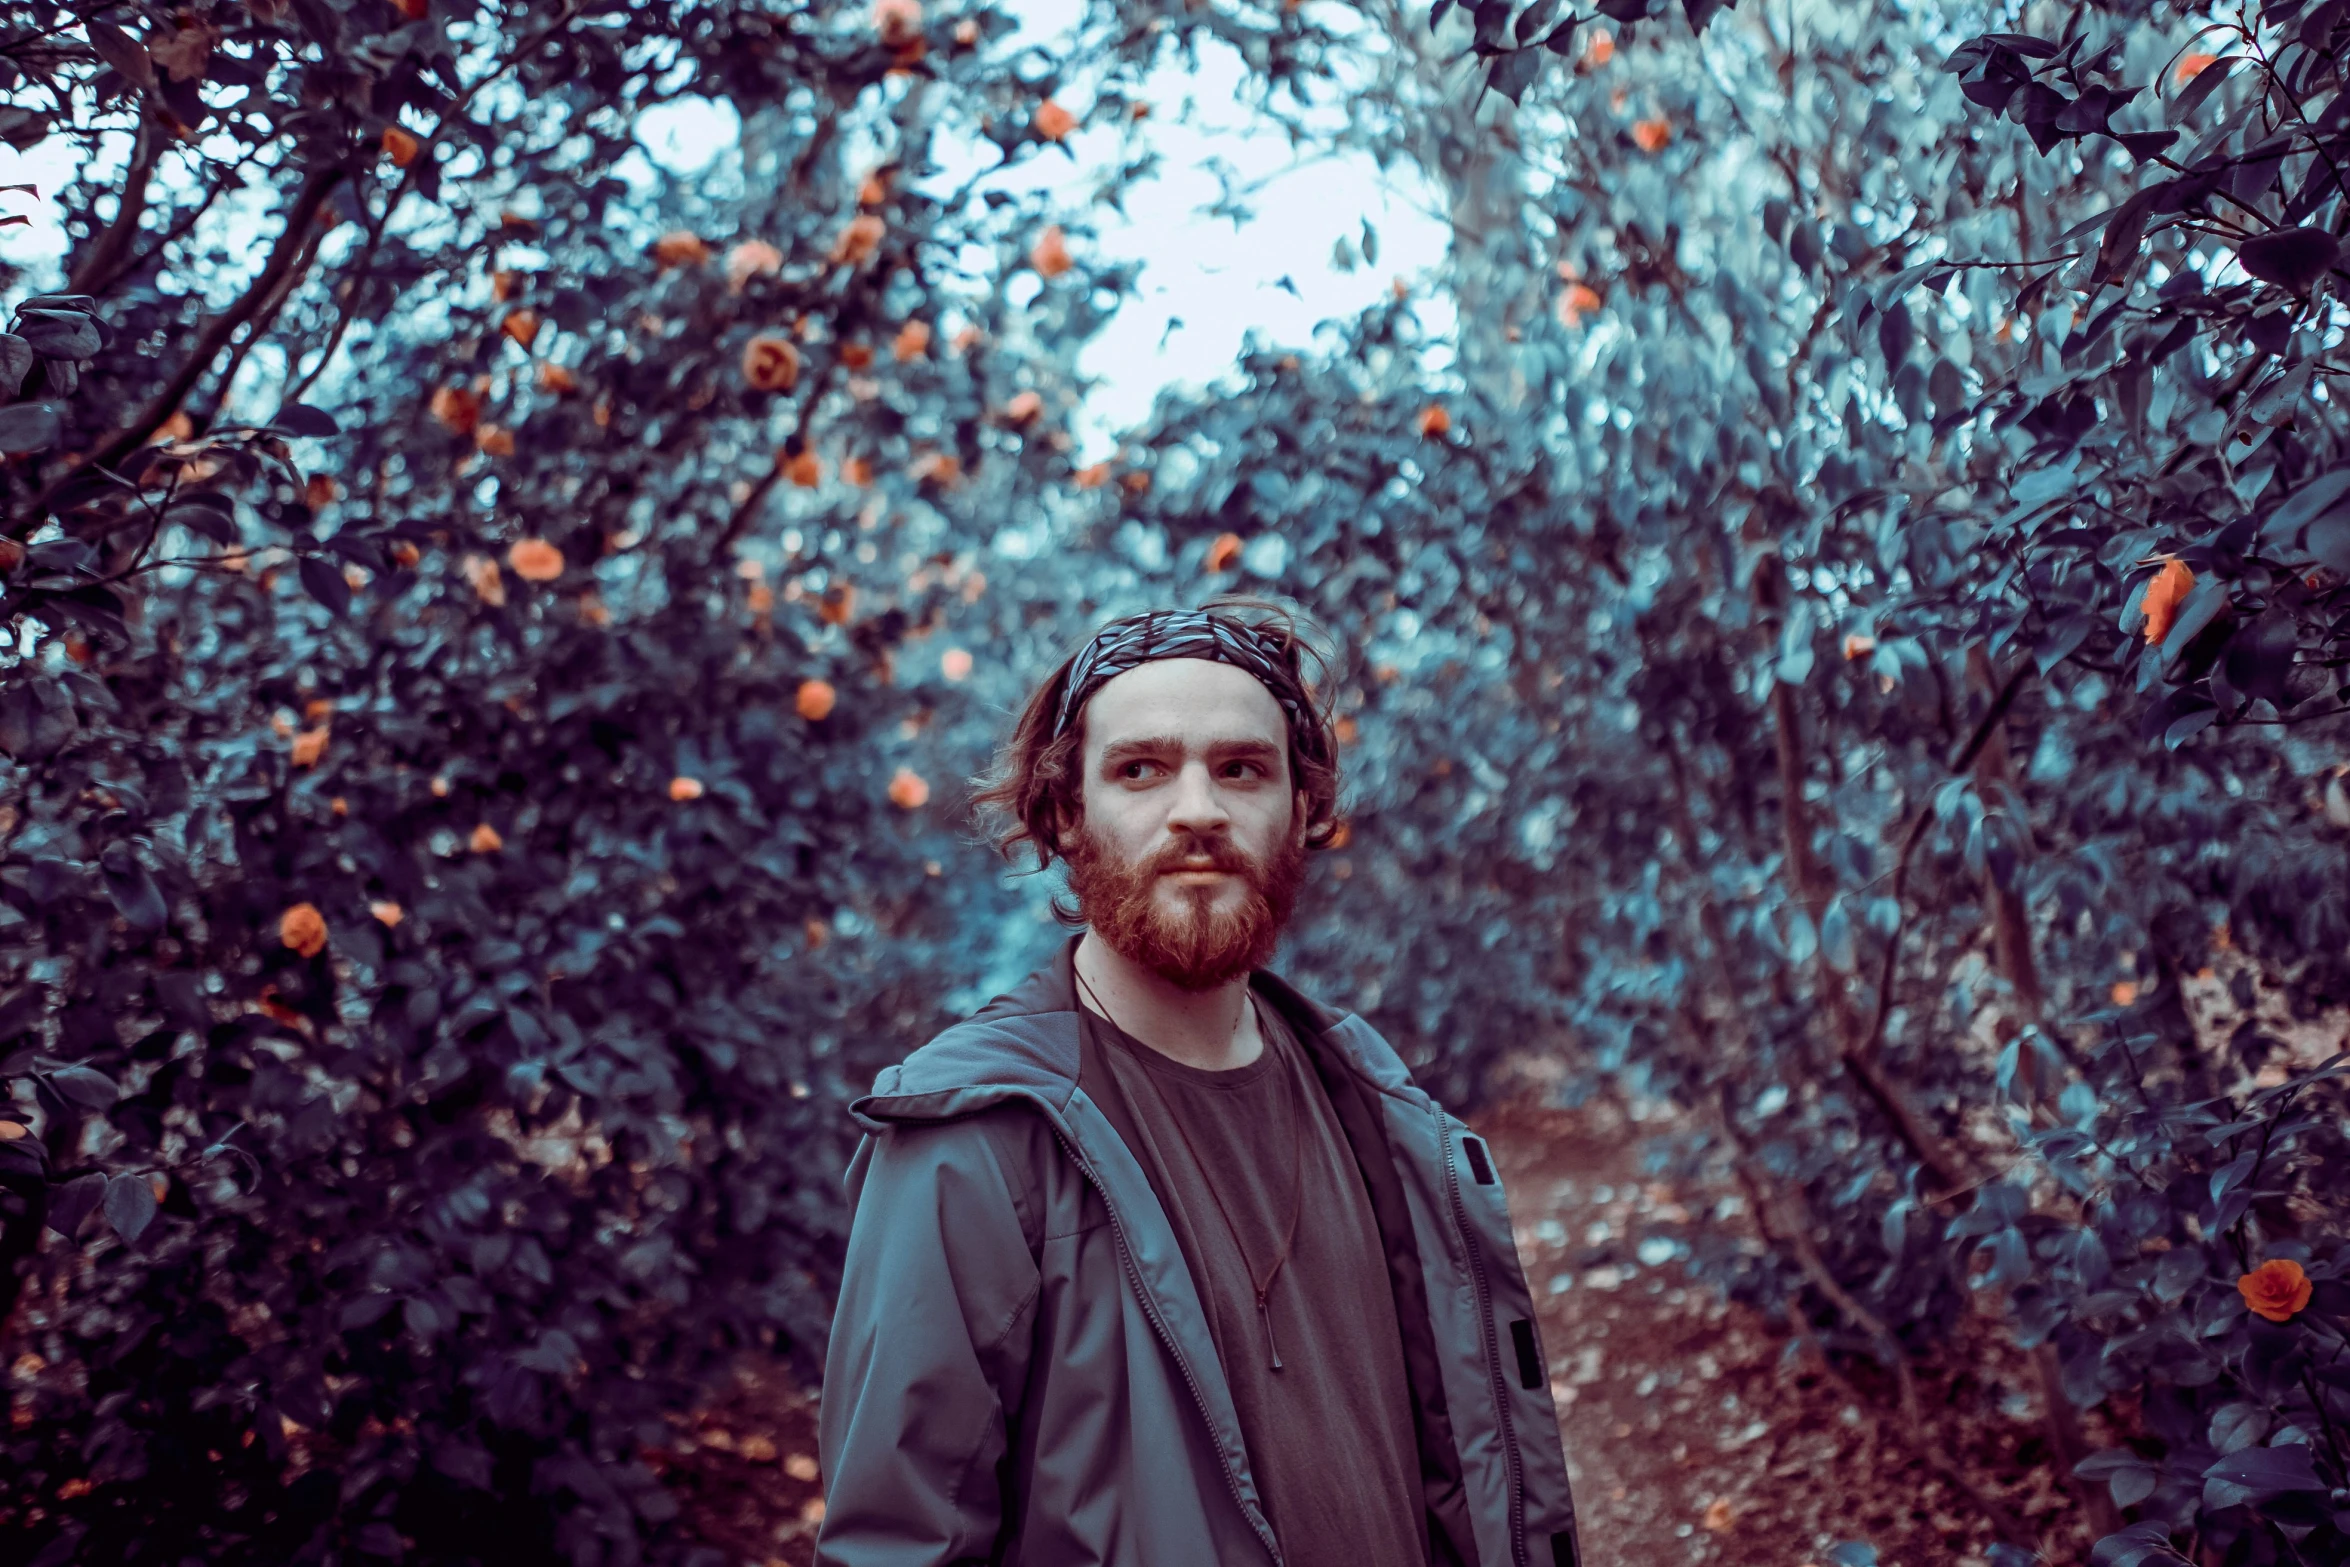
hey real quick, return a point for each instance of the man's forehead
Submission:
(1195, 699)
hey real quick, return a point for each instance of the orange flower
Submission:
(680, 248)
(309, 746)
(303, 928)
(457, 409)
(857, 243)
(912, 341)
(1023, 407)
(771, 364)
(1858, 645)
(1224, 554)
(1051, 121)
(856, 356)
(682, 788)
(521, 325)
(535, 560)
(400, 147)
(804, 470)
(321, 491)
(1050, 254)
(2164, 595)
(1578, 301)
(1600, 50)
(404, 553)
(815, 700)
(2190, 66)
(488, 583)
(1435, 422)
(415, 10)
(2276, 1289)
(908, 790)
(899, 22)
(387, 913)
(873, 190)
(752, 258)
(554, 378)
(1652, 135)
(1091, 478)
(838, 606)
(2123, 993)
(496, 440)
(955, 664)
(857, 471)
(485, 840)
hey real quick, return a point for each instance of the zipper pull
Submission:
(1265, 1310)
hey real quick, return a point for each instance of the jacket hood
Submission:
(1025, 1044)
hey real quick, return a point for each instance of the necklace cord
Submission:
(1297, 1185)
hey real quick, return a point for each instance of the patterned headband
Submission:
(1190, 633)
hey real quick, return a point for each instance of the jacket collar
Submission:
(1025, 1044)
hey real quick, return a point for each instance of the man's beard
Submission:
(1195, 946)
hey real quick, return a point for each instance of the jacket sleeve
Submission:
(930, 1345)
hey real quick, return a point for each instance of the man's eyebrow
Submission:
(1159, 745)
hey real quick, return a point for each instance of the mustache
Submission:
(1201, 854)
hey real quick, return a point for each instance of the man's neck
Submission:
(1214, 1030)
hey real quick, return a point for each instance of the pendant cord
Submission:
(1297, 1187)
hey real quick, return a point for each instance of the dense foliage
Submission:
(1838, 639)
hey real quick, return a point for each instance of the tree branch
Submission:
(292, 242)
(97, 267)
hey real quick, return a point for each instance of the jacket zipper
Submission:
(1493, 1366)
(1150, 1309)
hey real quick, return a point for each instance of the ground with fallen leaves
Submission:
(1697, 1431)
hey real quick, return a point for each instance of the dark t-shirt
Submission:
(1329, 1435)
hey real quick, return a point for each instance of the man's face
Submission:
(1192, 843)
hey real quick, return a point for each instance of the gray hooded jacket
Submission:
(1020, 1369)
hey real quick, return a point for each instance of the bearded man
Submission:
(1155, 1262)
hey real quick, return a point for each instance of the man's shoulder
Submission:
(1022, 1045)
(1356, 1043)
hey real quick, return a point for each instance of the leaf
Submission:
(2259, 659)
(324, 583)
(130, 1204)
(1896, 334)
(2235, 1427)
(71, 1203)
(28, 427)
(85, 1086)
(210, 515)
(1534, 19)
(58, 334)
(118, 49)
(2259, 1472)
(1514, 72)
(2290, 258)
(2206, 83)
(303, 419)
(16, 362)
(133, 889)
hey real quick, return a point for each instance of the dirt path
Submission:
(1695, 1433)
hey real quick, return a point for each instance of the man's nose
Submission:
(1196, 806)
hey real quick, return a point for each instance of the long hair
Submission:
(1031, 796)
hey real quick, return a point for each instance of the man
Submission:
(1154, 1262)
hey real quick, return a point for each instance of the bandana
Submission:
(1191, 633)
